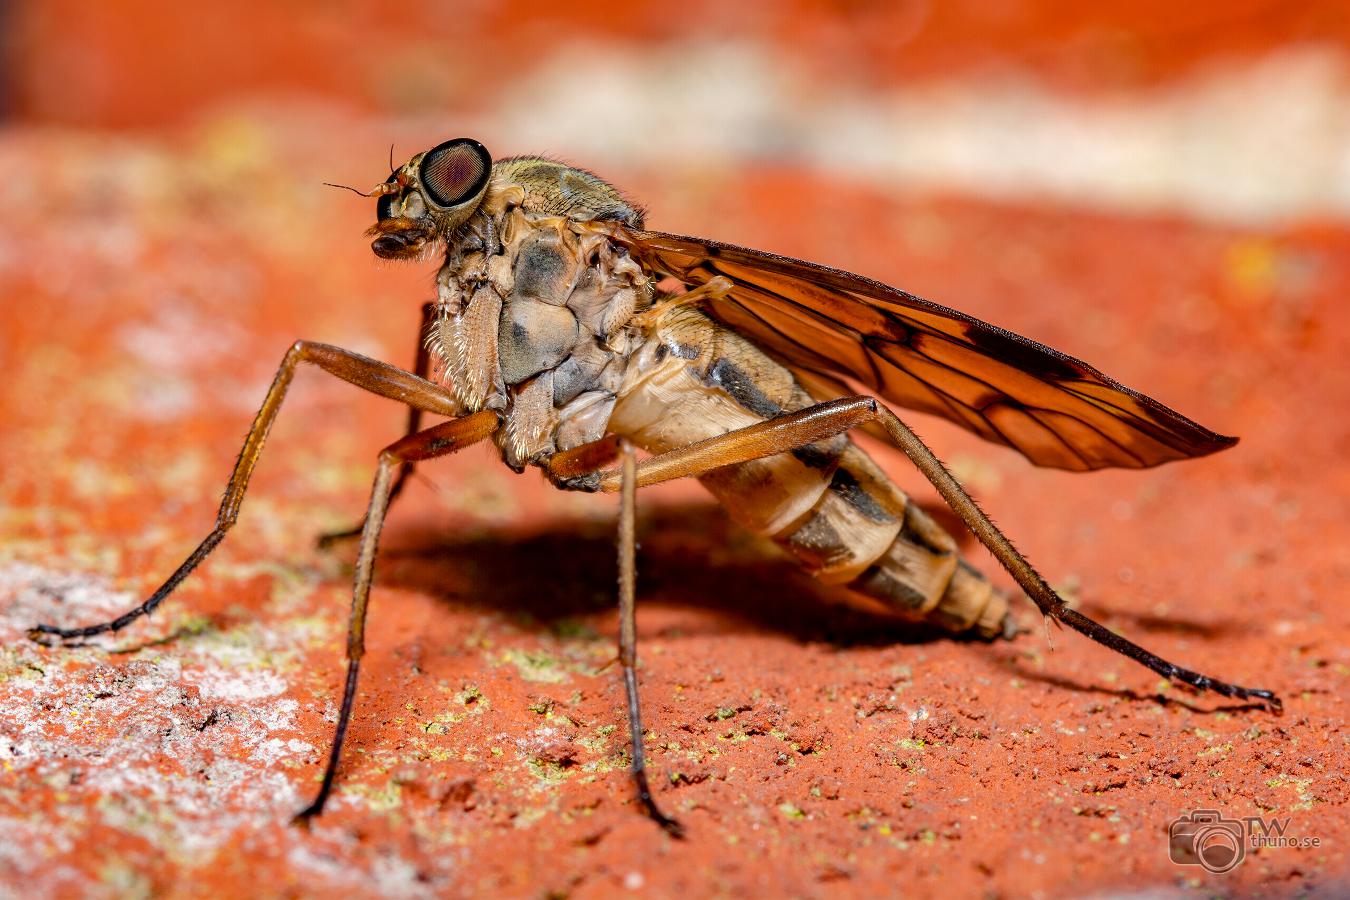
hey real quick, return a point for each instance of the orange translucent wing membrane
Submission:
(829, 325)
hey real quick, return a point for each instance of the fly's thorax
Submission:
(692, 378)
(539, 330)
(549, 187)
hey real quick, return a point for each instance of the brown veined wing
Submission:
(830, 326)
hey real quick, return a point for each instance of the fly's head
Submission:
(428, 198)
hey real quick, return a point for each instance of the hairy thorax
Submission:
(534, 322)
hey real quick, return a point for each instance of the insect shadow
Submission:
(1191, 702)
(690, 555)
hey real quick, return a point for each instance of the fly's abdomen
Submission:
(918, 572)
(827, 504)
(863, 532)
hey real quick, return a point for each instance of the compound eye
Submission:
(455, 171)
(384, 207)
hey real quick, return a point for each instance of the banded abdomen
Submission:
(828, 504)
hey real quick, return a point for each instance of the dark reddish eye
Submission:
(455, 171)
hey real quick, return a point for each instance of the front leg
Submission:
(367, 374)
(422, 369)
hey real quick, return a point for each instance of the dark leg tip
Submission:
(51, 636)
(303, 817)
(670, 826)
(1268, 697)
(1205, 683)
(673, 828)
(1262, 697)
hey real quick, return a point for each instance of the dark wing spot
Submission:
(1023, 353)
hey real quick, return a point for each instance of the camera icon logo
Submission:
(1205, 838)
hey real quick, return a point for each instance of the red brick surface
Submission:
(149, 284)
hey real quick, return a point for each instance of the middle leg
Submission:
(576, 469)
(439, 440)
(628, 633)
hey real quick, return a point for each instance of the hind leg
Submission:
(825, 420)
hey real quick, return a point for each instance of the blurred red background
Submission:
(1162, 189)
(157, 62)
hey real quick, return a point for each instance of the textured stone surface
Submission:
(150, 283)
